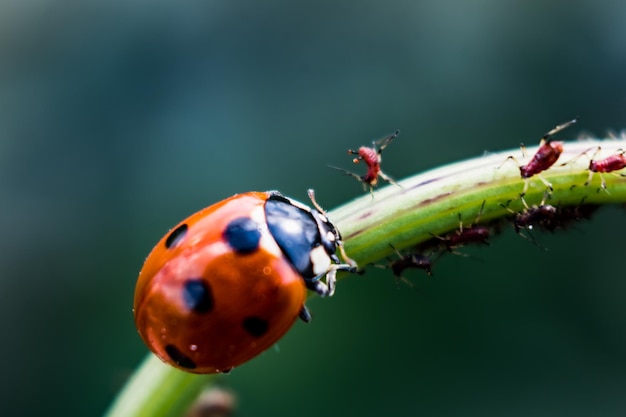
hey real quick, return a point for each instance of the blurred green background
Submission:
(120, 118)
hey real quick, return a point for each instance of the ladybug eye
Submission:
(176, 236)
(243, 235)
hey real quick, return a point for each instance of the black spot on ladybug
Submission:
(243, 235)
(179, 358)
(256, 326)
(176, 236)
(197, 295)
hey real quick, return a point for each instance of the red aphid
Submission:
(474, 234)
(477, 234)
(372, 157)
(414, 260)
(609, 164)
(411, 261)
(543, 215)
(548, 153)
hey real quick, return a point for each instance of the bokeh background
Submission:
(120, 118)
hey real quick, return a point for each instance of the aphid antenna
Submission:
(385, 141)
(378, 145)
(548, 136)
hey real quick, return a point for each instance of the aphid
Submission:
(531, 216)
(570, 214)
(543, 216)
(546, 156)
(414, 260)
(473, 234)
(410, 261)
(372, 157)
(610, 164)
(550, 218)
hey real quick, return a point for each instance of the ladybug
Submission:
(229, 281)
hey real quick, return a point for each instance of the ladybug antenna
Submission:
(352, 265)
(311, 193)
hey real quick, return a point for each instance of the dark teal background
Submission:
(120, 118)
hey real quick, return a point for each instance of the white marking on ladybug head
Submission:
(320, 260)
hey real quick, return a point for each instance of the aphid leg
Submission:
(366, 186)
(523, 193)
(512, 159)
(583, 153)
(547, 183)
(523, 149)
(480, 212)
(602, 183)
(346, 172)
(388, 179)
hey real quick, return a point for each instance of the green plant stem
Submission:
(158, 390)
(430, 203)
(405, 215)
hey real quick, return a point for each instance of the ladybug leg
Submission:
(327, 289)
(320, 288)
(305, 314)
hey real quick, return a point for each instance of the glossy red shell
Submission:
(259, 284)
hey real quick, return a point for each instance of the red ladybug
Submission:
(226, 283)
